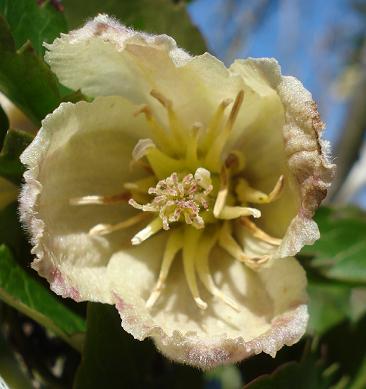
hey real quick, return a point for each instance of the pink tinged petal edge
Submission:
(307, 153)
(207, 353)
(60, 286)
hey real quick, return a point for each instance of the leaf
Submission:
(31, 21)
(344, 345)
(154, 16)
(329, 305)
(10, 166)
(113, 359)
(309, 373)
(22, 292)
(4, 125)
(340, 252)
(25, 78)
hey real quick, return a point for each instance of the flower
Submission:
(180, 194)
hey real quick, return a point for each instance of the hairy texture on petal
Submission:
(107, 58)
(273, 311)
(308, 169)
(74, 141)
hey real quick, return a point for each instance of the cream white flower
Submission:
(180, 194)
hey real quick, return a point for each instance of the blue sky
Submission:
(311, 39)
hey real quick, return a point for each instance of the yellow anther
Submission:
(259, 233)
(246, 193)
(230, 245)
(234, 212)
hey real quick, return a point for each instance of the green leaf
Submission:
(329, 305)
(25, 78)
(344, 345)
(309, 373)
(4, 125)
(31, 21)
(154, 16)
(340, 252)
(10, 166)
(113, 359)
(24, 293)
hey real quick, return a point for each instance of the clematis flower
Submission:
(180, 194)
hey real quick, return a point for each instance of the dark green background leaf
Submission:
(341, 251)
(21, 291)
(329, 305)
(4, 125)
(155, 16)
(307, 374)
(113, 359)
(14, 144)
(31, 21)
(25, 79)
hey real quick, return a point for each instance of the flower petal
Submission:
(74, 141)
(107, 58)
(287, 141)
(272, 308)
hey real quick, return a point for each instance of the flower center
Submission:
(177, 200)
(194, 192)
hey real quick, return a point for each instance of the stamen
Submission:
(158, 132)
(174, 122)
(203, 270)
(117, 198)
(104, 229)
(173, 245)
(234, 111)
(192, 145)
(142, 185)
(223, 192)
(151, 229)
(179, 199)
(229, 244)
(214, 125)
(233, 212)
(191, 239)
(212, 160)
(258, 233)
(246, 193)
(160, 163)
